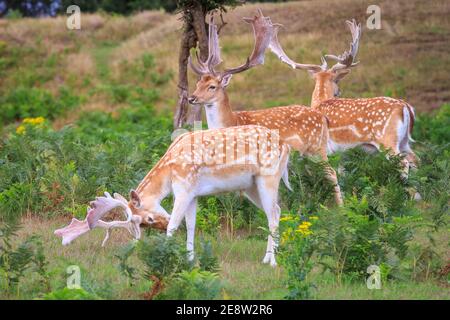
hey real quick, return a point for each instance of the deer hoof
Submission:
(270, 258)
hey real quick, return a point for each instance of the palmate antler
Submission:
(100, 207)
(276, 48)
(345, 60)
(214, 59)
(262, 30)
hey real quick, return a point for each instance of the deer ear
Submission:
(135, 199)
(225, 80)
(340, 74)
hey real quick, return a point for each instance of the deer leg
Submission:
(190, 228)
(332, 176)
(267, 187)
(253, 195)
(180, 208)
(410, 155)
(395, 150)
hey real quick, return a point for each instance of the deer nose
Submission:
(192, 99)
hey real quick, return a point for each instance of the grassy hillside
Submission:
(408, 58)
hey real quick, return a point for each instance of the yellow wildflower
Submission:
(20, 129)
(303, 228)
(286, 218)
(304, 232)
(34, 121)
(286, 235)
(38, 121)
(305, 225)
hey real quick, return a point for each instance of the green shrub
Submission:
(193, 285)
(433, 127)
(162, 256)
(206, 258)
(297, 246)
(24, 102)
(165, 263)
(52, 172)
(208, 217)
(312, 188)
(350, 239)
(17, 258)
(377, 178)
(432, 181)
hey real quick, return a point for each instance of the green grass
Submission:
(240, 267)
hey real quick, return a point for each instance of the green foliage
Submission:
(130, 6)
(433, 127)
(207, 260)
(165, 262)
(57, 172)
(351, 239)
(208, 217)
(432, 181)
(70, 294)
(13, 14)
(24, 102)
(208, 5)
(17, 258)
(377, 178)
(162, 256)
(307, 176)
(297, 246)
(124, 254)
(425, 261)
(193, 285)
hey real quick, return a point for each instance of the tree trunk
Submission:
(187, 42)
(194, 31)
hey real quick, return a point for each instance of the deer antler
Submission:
(100, 207)
(207, 67)
(262, 30)
(276, 48)
(347, 59)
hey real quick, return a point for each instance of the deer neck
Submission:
(219, 113)
(321, 92)
(155, 187)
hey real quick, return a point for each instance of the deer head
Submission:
(212, 82)
(330, 77)
(150, 218)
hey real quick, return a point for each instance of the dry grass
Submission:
(80, 65)
(408, 58)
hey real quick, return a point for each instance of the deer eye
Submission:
(212, 88)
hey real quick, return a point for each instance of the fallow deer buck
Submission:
(304, 129)
(367, 122)
(245, 158)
